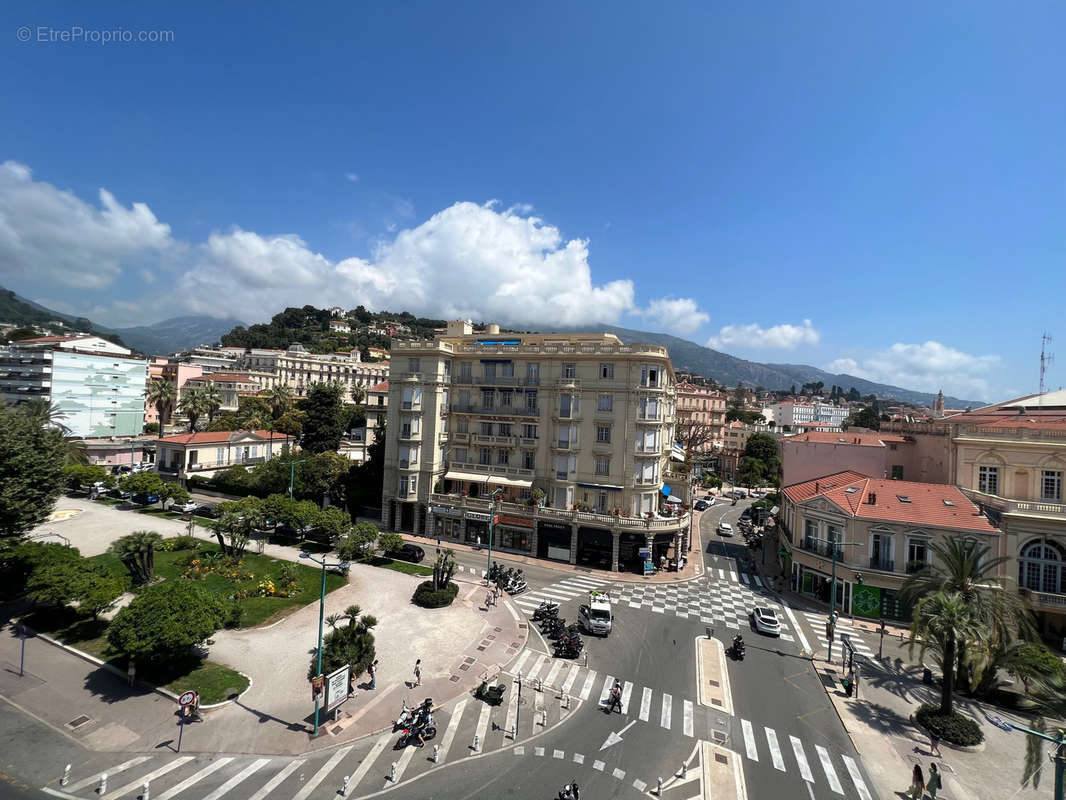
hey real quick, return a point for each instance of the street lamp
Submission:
(321, 615)
(834, 548)
(292, 473)
(492, 526)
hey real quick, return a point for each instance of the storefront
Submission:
(594, 547)
(878, 602)
(477, 528)
(447, 522)
(553, 541)
(514, 533)
(818, 586)
(629, 545)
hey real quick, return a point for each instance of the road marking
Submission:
(721, 574)
(521, 662)
(553, 673)
(856, 778)
(151, 776)
(483, 724)
(619, 773)
(827, 767)
(664, 719)
(538, 751)
(401, 765)
(598, 766)
(639, 785)
(319, 776)
(587, 688)
(195, 778)
(796, 627)
(559, 594)
(686, 726)
(659, 609)
(733, 575)
(645, 704)
(125, 765)
(558, 754)
(520, 750)
(801, 757)
(775, 749)
(749, 740)
(453, 724)
(512, 716)
(568, 684)
(627, 693)
(606, 690)
(579, 758)
(581, 583)
(277, 780)
(245, 773)
(542, 659)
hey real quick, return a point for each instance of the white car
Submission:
(185, 508)
(725, 529)
(766, 621)
(709, 499)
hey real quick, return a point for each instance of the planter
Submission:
(976, 748)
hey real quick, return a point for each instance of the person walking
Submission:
(488, 600)
(495, 595)
(934, 781)
(934, 746)
(373, 670)
(351, 684)
(131, 671)
(418, 672)
(917, 783)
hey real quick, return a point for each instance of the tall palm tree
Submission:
(1048, 701)
(962, 566)
(944, 619)
(194, 406)
(137, 552)
(212, 401)
(46, 413)
(161, 394)
(280, 398)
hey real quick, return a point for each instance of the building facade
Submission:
(186, 454)
(232, 386)
(299, 369)
(702, 410)
(878, 531)
(807, 456)
(574, 431)
(791, 413)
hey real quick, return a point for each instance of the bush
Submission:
(178, 543)
(953, 728)
(426, 597)
(165, 620)
(235, 614)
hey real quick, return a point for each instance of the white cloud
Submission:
(778, 337)
(352, 177)
(680, 314)
(53, 235)
(927, 367)
(147, 276)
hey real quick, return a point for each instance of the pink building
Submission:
(811, 455)
(175, 372)
(702, 405)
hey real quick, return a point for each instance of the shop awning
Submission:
(467, 476)
(602, 486)
(673, 499)
(501, 480)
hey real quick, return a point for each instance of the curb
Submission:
(962, 748)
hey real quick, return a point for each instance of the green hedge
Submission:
(953, 728)
(427, 598)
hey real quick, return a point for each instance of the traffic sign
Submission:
(187, 699)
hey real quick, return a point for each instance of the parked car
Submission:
(725, 529)
(121, 469)
(184, 508)
(702, 505)
(745, 515)
(738, 494)
(766, 621)
(409, 552)
(206, 510)
(710, 499)
(145, 499)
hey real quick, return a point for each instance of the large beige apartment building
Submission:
(299, 368)
(574, 430)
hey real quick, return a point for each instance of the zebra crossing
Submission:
(575, 587)
(843, 626)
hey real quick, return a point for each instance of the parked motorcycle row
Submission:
(568, 641)
(511, 580)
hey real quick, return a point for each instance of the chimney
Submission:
(817, 487)
(871, 498)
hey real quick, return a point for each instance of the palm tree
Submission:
(137, 552)
(161, 394)
(194, 405)
(1047, 701)
(49, 415)
(212, 401)
(280, 398)
(962, 566)
(944, 620)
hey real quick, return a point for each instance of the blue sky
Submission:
(870, 187)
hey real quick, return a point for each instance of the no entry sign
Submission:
(187, 699)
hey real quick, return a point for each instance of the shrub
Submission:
(426, 597)
(178, 543)
(953, 727)
(235, 614)
(165, 620)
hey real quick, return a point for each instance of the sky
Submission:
(874, 188)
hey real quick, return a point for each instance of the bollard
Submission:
(477, 743)
(436, 753)
(344, 788)
(66, 776)
(659, 786)
(146, 791)
(392, 772)
(566, 701)
(684, 770)
(103, 784)
(544, 717)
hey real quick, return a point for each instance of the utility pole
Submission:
(492, 526)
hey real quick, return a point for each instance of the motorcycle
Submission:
(570, 791)
(495, 571)
(546, 610)
(405, 718)
(516, 586)
(568, 650)
(409, 734)
(736, 650)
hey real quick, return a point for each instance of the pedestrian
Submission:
(418, 672)
(131, 671)
(934, 781)
(934, 746)
(495, 595)
(479, 542)
(488, 600)
(917, 783)
(662, 563)
(373, 670)
(351, 684)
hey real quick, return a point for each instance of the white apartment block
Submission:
(791, 414)
(573, 430)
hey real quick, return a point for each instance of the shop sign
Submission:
(477, 515)
(514, 522)
(447, 512)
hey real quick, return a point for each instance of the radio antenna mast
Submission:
(1045, 361)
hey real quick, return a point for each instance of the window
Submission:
(488, 398)
(605, 402)
(881, 552)
(569, 370)
(531, 401)
(486, 429)
(462, 425)
(461, 455)
(490, 371)
(413, 365)
(403, 485)
(503, 457)
(561, 468)
(607, 372)
(485, 456)
(562, 435)
(529, 431)
(1042, 567)
(529, 459)
(603, 465)
(532, 373)
(1051, 485)
(603, 434)
(917, 554)
(503, 429)
(988, 480)
(564, 405)
(810, 533)
(413, 483)
(601, 502)
(506, 398)
(897, 472)
(465, 370)
(507, 369)
(447, 368)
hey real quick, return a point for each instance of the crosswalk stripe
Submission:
(483, 723)
(686, 717)
(521, 662)
(721, 574)
(553, 673)
(568, 684)
(559, 594)
(608, 682)
(627, 693)
(856, 778)
(241, 776)
(749, 740)
(744, 578)
(401, 765)
(195, 778)
(775, 749)
(125, 765)
(733, 575)
(318, 777)
(527, 602)
(801, 758)
(372, 756)
(578, 583)
(453, 725)
(151, 776)
(512, 716)
(587, 688)
(542, 659)
(278, 779)
(827, 767)
(645, 704)
(664, 718)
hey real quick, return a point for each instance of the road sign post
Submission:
(186, 701)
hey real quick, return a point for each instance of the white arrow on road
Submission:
(615, 738)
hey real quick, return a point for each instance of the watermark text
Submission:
(76, 34)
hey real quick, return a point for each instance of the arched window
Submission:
(1042, 567)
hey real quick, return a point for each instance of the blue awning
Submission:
(666, 490)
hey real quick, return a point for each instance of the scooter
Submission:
(405, 718)
(546, 610)
(737, 650)
(409, 734)
(491, 694)
(570, 791)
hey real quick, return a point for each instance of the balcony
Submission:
(494, 380)
(497, 469)
(477, 408)
(482, 438)
(649, 419)
(461, 437)
(1036, 508)
(1042, 600)
(916, 566)
(882, 564)
(529, 441)
(405, 464)
(827, 549)
(407, 434)
(564, 444)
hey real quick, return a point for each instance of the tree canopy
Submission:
(31, 471)
(165, 620)
(324, 424)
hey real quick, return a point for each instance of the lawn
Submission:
(400, 566)
(157, 512)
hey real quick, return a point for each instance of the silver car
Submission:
(725, 529)
(766, 621)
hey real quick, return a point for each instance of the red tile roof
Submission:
(381, 387)
(845, 439)
(208, 437)
(233, 377)
(926, 504)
